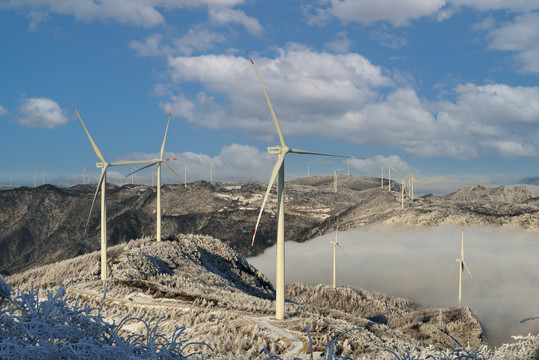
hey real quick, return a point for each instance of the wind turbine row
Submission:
(278, 172)
(102, 185)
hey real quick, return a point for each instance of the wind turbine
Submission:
(158, 161)
(335, 179)
(43, 174)
(308, 169)
(348, 161)
(389, 177)
(278, 172)
(102, 184)
(185, 176)
(402, 193)
(382, 179)
(211, 172)
(133, 168)
(462, 265)
(335, 244)
(84, 174)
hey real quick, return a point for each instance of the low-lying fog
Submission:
(420, 264)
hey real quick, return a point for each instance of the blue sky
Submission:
(445, 89)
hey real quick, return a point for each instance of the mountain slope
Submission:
(46, 224)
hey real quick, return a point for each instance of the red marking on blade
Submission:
(252, 62)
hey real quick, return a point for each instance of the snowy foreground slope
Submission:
(199, 283)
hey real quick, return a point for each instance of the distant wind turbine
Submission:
(102, 184)
(389, 177)
(335, 179)
(348, 162)
(84, 174)
(402, 193)
(185, 176)
(158, 161)
(133, 168)
(382, 179)
(35, 178)
(43, 174)
(278, 169)
(462, 265)
(211, 172)
(308, 169)
(335, 243)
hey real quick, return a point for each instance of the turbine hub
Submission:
(101, 165)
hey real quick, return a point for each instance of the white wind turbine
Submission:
(382, 179)
(84, 174)
(389, 177)
(278, 171)
(462, 265)
(185, 176)
(308, 168)
(102, 184)
(158, 161)
(211, 172)
(335, 243)
(335, 179)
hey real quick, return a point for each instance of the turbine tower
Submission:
(211, 172)
(278, 172)
(389, 177)
(102, 184)
(158, 161)
(335, 179)
(462, 265)
(382, 179)
(308, 168)
(335, 244)
(185, 176)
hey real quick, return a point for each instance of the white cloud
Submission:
(520, 36)
(198, 38)
(396, 12)
(373, 166)
(224, 15)
(402, 12)
(41, 112)
(336, 96)
(236, 162)
(143, 13)
(341, 44)
(3, 110)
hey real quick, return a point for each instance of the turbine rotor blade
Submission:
(131, 162)
(165, 138)
(142, 168)
(168, 167)
(95, 197)
(276, 169)
(466, 266)
(344, 251)
(269, 103)
(94, 145)
(297, 151)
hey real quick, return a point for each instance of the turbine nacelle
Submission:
(101, 165)
(277, 150)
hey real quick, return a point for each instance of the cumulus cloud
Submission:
(341, 44)
(345, 97)
(225, 15)
(41, 112)
(144, 13)
(235, 162)
(520, 36)
(198, 38)
(3, 110)
(402, 12)
(396, 12)
(372, 166)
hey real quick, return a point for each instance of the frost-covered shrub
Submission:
(32, 327)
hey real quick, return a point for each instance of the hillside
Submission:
(43, 225)
(202, 284)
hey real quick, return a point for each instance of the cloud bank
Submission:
(419, 264)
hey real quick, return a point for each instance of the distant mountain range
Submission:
(45, 224)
